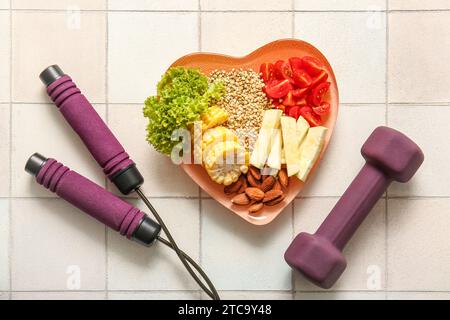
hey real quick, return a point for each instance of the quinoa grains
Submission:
(244, 101)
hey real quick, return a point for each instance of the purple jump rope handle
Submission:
(390, 156)
(93, 131)
(92, 199)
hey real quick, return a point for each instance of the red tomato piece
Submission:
(277, 70)
(266, 70)
(301, 102)
(277, 89)
(313, 119)
(294, 112)
(312, 65)
(286, 109)
(282, 71)
(296, 64)
(301, 78)
(318, 93)
(281, 107)
(322, 109)
(298, 93)
(289, 99)
(322, 77)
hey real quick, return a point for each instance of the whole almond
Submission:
(272, 195)
(255, 172)
(252, 181)
(276, 185)
(233, 188)
(240, 199)
(275, 201)
(244, 184)
(255, 207)
(254, 193)
(283, 178)
(268, 183)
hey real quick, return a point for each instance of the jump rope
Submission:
(91, 198)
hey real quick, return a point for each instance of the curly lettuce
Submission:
(182, 95)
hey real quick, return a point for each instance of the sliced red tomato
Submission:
(301, 78)
(277, 89)
(313, 119)
(281, 107)
(289, 99)
(282, 70)
(322, 77)
(266, 69)
(286, 109)
(301, 102)
(312, 65)
(322, 109)
(298, 93)
(296, 63)
(318, 93)
(294, 112)
(277, 70)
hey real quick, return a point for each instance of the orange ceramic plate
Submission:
(271, 52)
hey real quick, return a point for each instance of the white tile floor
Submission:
(390, 58)
(340, 5)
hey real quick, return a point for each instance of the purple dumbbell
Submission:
(97, 137)
(93, 199)
(390, 156)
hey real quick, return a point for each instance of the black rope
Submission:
(210, 290)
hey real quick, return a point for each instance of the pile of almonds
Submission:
(257, 189)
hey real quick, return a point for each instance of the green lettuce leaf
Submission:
(182, 95)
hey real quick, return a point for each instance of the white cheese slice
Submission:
(274, 160)
(291, 144)
(302, 129)
(283, 158)
(261, 150)
(310, 150)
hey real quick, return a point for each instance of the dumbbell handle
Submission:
(93, 199)
(354, 205)
(93, 131)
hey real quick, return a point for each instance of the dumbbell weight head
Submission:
(393, 152)
(316, 258)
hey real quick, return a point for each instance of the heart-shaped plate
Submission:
(271, 52)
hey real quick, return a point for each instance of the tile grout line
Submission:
(200, 215)
(10, 235)
(343, 103)
(242, 290)
(107, 122)
(293, 200)
(292, 238)
(413, 197)
(119, 195)
(31, 10)
(386, 199)
(158, 290)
